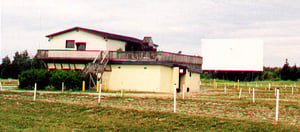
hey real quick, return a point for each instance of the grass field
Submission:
(210, 110)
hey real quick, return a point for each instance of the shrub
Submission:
(29, 77)
(72, 79)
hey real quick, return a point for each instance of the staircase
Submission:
(98, 65)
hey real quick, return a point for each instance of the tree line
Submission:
(286, 72)
(21, 62)
(31, 70)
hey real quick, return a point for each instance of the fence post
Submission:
(225, 88)
(214, 84)
(295, 87)
(292, 90)
(238, 85)
(253, 95)
(0, 86)
(249, 90)
(34, 93)
(240, 93)
(277, 105)
(175, 92)
(62, 87)
(97, 86)
(285, 88)
(83, 86)
(99, 96)
(269, 86)
(183, 90)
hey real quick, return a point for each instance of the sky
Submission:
(175, 25)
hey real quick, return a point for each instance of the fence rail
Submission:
(9, 84)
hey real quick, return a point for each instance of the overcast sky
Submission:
(174, 24)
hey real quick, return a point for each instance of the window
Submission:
(81, 46)
(70, 43)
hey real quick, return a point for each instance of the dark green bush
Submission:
(72, 79)
(43, 77)
(29, 77)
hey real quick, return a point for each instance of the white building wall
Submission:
(93, 42)
(114, 45)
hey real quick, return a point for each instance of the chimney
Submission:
(148, 41)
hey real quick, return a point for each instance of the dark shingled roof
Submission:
(103, 34)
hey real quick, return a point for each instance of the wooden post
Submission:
(34, 93)
(99, 95)
(97, 86)
(269, 86)
(83, 86)
(277, 105)
(122, 92)
(175, 92)
(285, 86)
(249, 90)
(62, 87)
(292, 90)
(225, 89)
(183, 90)
(214, 84)
(253, 95)
(238, 85)
(240, 93)
(0, 86)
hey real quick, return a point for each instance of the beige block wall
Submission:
(141, 78)
(135, 78)
(166, 79)
(175, 78)
(194, 82)
(190, 80)
(93, 42)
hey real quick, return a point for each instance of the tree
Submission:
(37, 64)
(5, 67)
(294, 73)
(285, 71)
(22, 60)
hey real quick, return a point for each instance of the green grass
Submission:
(65, 112)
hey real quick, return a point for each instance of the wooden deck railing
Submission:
(155, 56)
(121, 56)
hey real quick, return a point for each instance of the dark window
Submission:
(81, 46)
(70, 43)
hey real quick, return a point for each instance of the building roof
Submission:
(102, 34)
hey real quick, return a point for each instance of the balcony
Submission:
(128, 56)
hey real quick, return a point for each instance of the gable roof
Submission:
(102, 34)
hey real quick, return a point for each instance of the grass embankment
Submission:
(64, 112)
